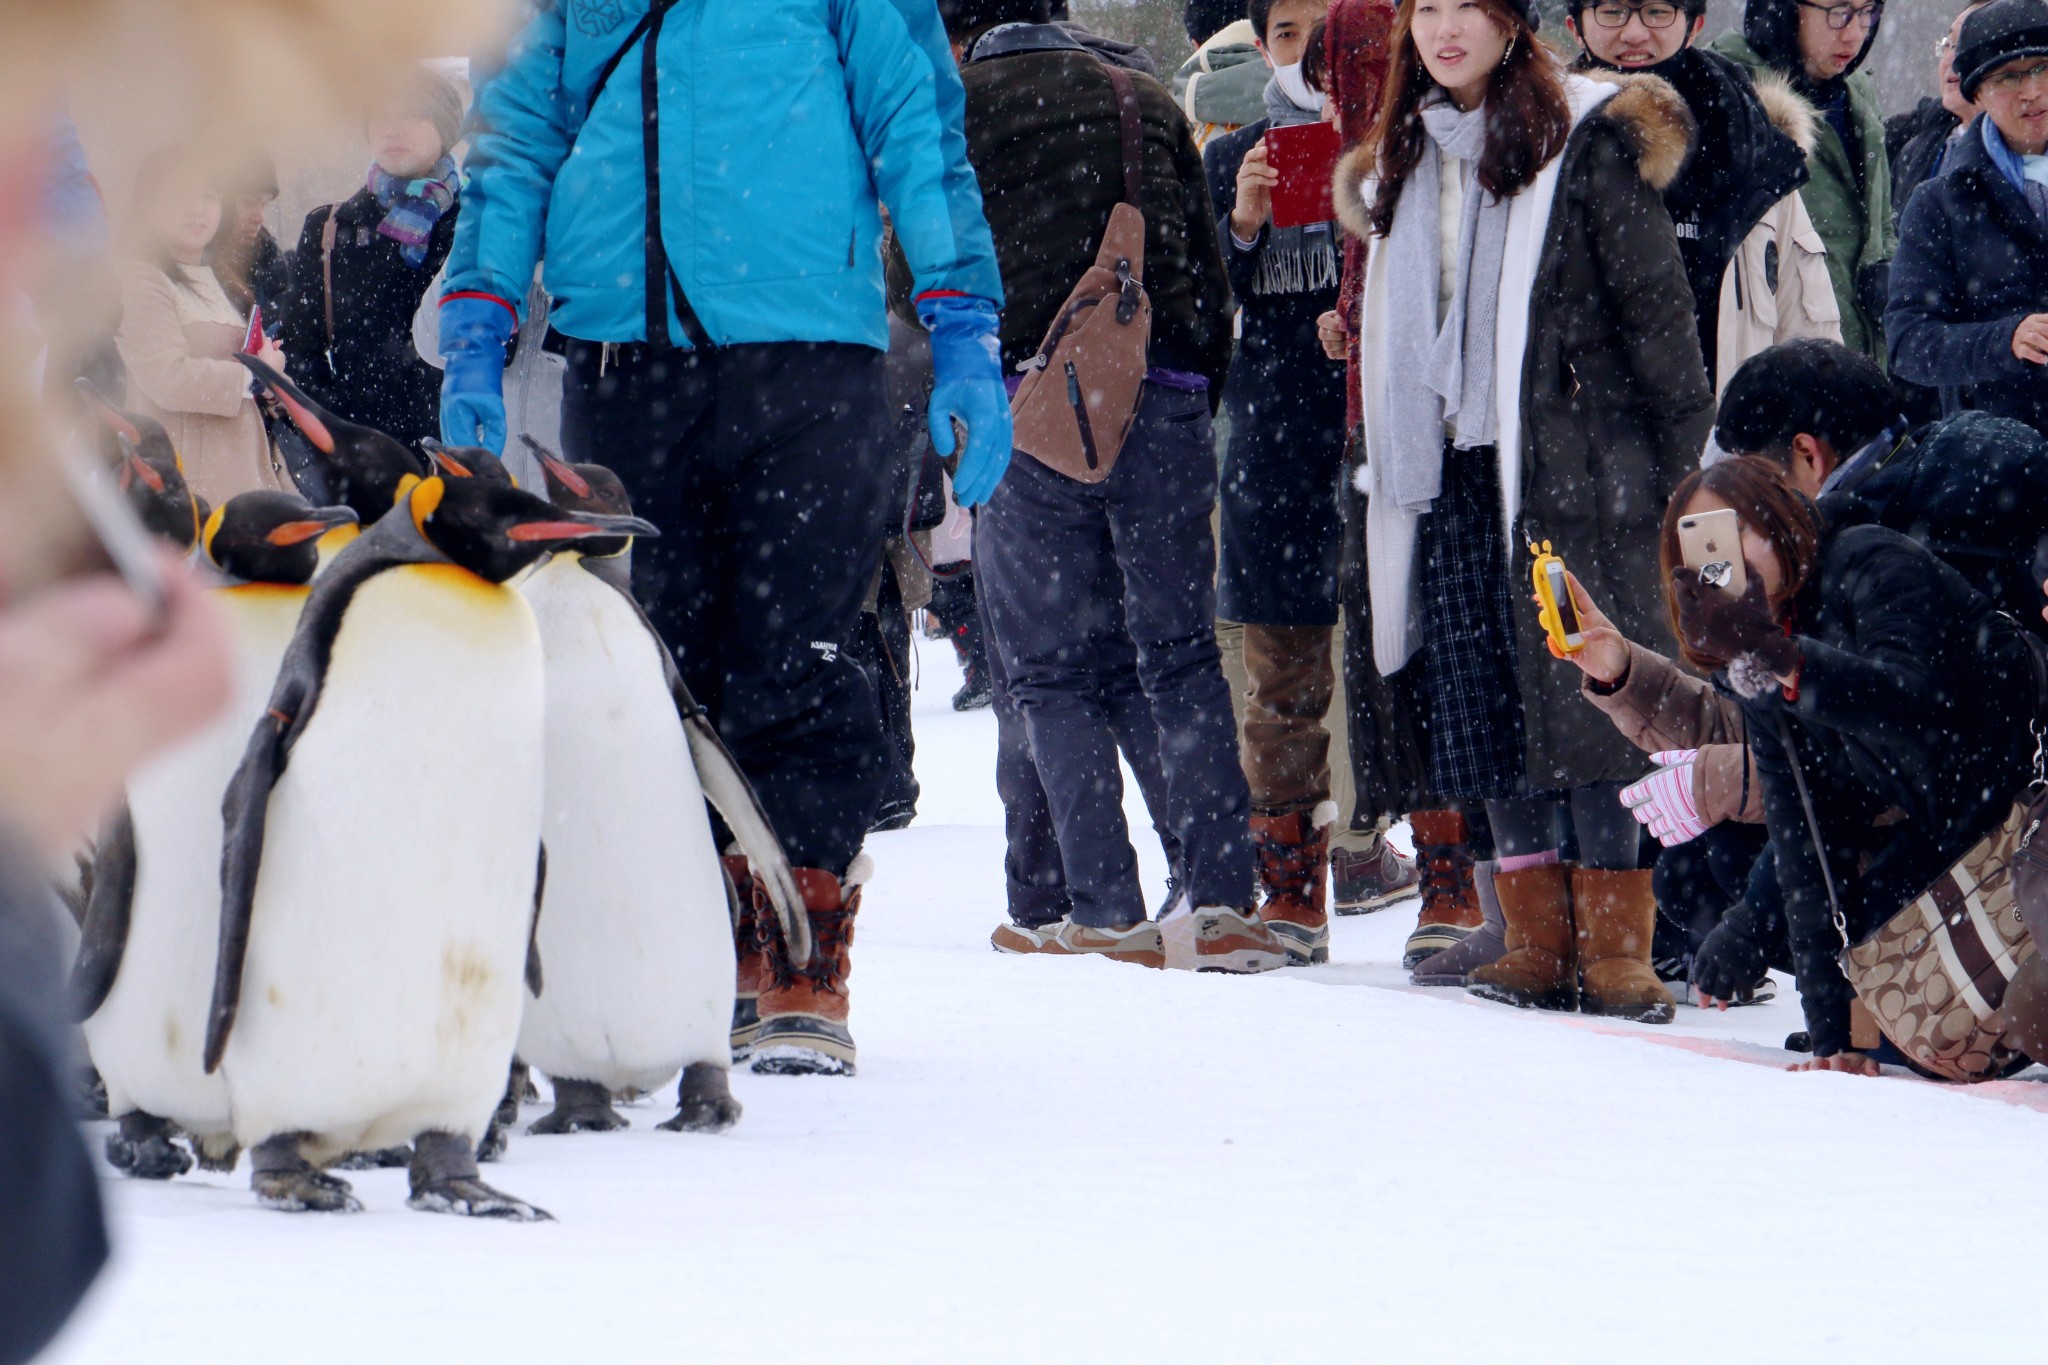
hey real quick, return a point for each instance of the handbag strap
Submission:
(327, 232)
(1131, 129)
(1820, 848)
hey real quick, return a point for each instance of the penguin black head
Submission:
(468, 462)
(148, 470)
(364, 465)
(495, 530)
(585, 488)
(270, 537)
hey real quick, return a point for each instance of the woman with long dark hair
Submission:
(1877, 674)
(1531, 373)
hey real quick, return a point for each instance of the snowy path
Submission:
(1049, 1160)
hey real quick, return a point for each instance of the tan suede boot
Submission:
(1616, 913)
(1293, 854)
(1450, 904)
(1536, 972)
(804, 1005)
(752, 952)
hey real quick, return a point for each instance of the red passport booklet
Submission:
(1305, 155)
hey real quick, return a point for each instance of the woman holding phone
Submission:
(1531, 373)
(1899, 695)
(179, 334)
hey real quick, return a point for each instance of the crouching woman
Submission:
(1874, 673)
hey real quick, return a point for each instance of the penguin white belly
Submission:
(383, 980)
(635, 932)
(147, 1037)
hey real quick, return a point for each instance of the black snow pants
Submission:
(1045, 546)
(768, 470)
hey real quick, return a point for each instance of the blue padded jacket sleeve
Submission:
(521, 131)
(909, 110)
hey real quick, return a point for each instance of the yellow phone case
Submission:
(1547, 609)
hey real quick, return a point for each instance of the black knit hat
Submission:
(1996, 34)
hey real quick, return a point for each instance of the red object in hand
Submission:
(252, 340)
(1305, 155)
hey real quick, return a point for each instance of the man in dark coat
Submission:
(1282, 533)
(1918, 141)
(1969, 301)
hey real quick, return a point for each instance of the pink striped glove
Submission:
(1663, 800)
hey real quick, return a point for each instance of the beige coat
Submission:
(1660, 706)
(1763, 300)
(177, 342)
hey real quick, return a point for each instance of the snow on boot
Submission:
(804, 1006)
(753, 958)
(704, 1102)
(1453, 966)
(1536, 971)
(285, 1181)
(580, 1107)
(1450, 904)
(1293, 853)
(1372, 878)
(146, 1147)
(444, 1180)
(1616, 914)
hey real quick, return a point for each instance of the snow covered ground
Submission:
(1056, 1160)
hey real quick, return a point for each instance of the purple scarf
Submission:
(412, 207)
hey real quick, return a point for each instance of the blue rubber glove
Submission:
(474, 332)
(967, 362)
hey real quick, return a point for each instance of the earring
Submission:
(1509, 53)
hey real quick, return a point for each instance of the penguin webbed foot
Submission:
(286, 1181)
(145, 1147)
(383, 1159)
(704, 1101)
(580, 1107)
(218, 1153)
(444, 1180)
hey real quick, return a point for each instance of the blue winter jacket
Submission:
(784, 125)
(1972, 264)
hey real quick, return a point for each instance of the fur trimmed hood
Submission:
(1787, 110)
(1646, 110)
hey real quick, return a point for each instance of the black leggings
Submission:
(1607, 834)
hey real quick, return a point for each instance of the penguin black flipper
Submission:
(540, 887)
(245, 810)
(103, 938)
(733, 795)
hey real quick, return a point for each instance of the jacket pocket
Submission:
(1809, 258)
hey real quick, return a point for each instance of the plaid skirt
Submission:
(1477, 745)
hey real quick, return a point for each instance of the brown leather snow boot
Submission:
(1294, 867)
(1616, 913)
(1536, 972)
(1450, 903)
(753, 959)
(804, 1006)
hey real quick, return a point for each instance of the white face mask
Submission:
(1296, 89)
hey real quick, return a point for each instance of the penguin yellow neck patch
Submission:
(212, 529)
(426, 500)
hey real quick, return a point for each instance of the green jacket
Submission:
(1223, 85)
(1858, 235)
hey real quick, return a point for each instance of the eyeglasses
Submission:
(1841, 16)
(1943, 44)
(2013, 77)
(1653, 15)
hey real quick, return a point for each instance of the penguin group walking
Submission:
(453, 823)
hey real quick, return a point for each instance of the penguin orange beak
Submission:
(298, 532)
(117, 422)
(447, 463)
(134, 467)
(582, 529)
(565, 475)
(293, 402)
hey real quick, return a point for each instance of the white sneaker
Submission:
(1217, 938)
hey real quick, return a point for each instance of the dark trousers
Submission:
(953, 604)
(1697, 881)
(881, 646)
(1033, 870)
(767, 470)
(1590, 821)
(1044, 548)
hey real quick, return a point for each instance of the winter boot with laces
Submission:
(1450, 903)
(1616, 913)
(1372, 878)
(804, 1006)
(1293, 854)
(752, 952)
(1538, 969)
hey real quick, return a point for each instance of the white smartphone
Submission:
(128, 545)
(1710, 544)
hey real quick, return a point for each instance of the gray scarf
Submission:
(1297, 260)
(1454, 361)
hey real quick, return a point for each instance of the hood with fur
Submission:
(1772, 29)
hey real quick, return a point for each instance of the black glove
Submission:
(1724, 627)
(1874, 288)
(1728, 964)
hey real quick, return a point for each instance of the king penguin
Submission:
(379, 866)
(150, 474)
(636, 922)
(144, 974)
(362, 468)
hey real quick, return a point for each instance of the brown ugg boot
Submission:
(1450, 904)
(1536, 971)
(1294, 866)
(1616, 913)
(804, 1006)
(753, 959)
